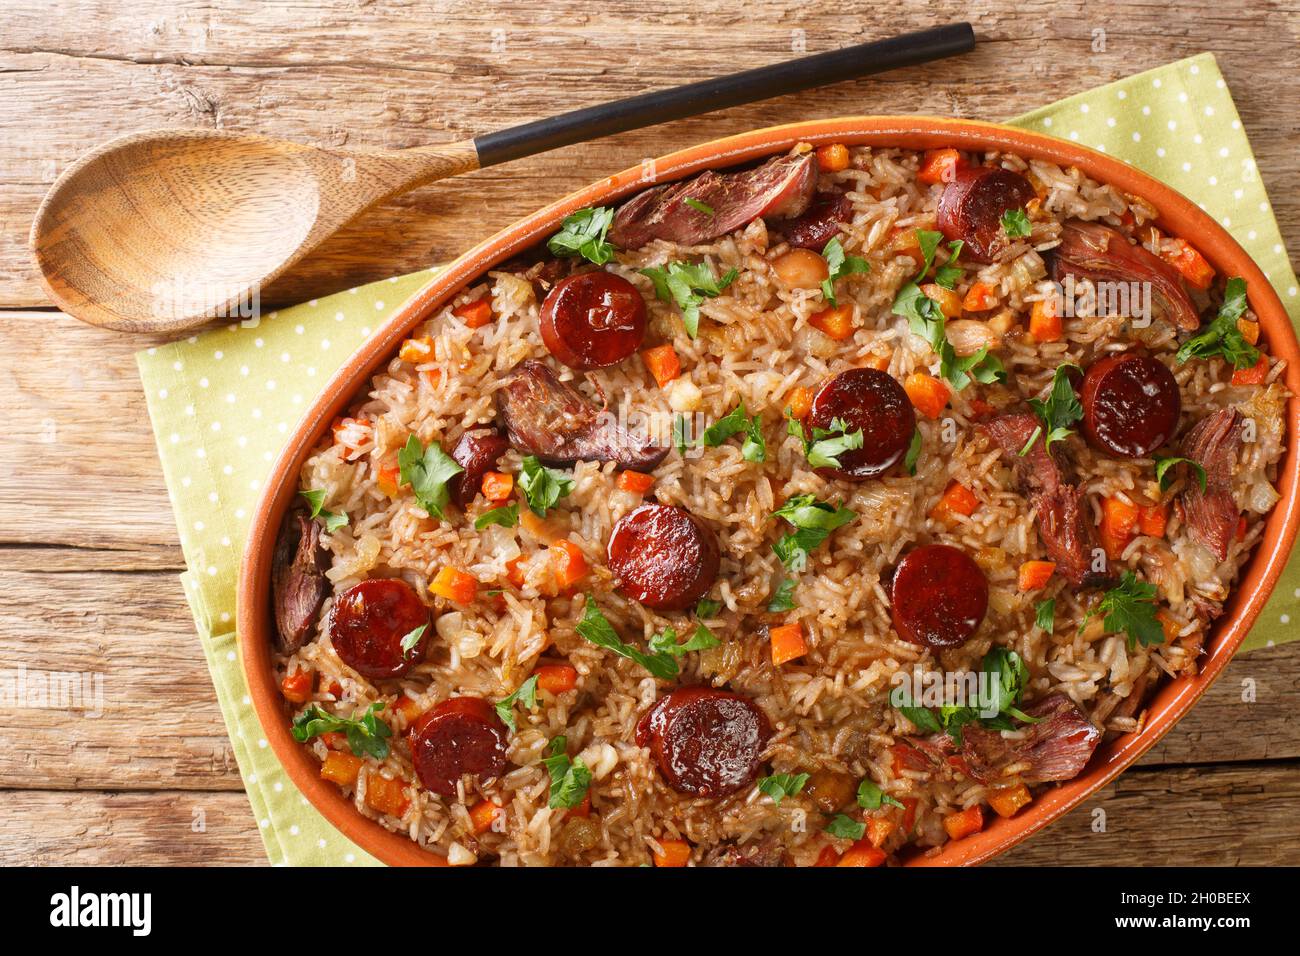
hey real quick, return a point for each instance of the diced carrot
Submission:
(344, 428)
(1119, 522)
(927, 393)
(498, 486)
(1008, 801)
(880, 362)
(787, 643)
(1190, 264)
(672, 853)
(431, 376)
(909, 814)
(418, 350)
(297, 687)
(570, 563)
(862, 853)
(837, 322)
(957, 500)
(1152, 520)
(636, 482)
(964, 822)
(1044, 324)
(583, 809)
(1168, 625)
(980, 298)
(341, 768)
(663, 363)
(475, 314)
(386, 795)
(454, 585)
(829, 856)
(904, 242)
(903, 756)
(981, 409)
(879, 829)
(800, 401)
(1249, 330)
(408, 707)
(833, 158)
(556, 678)
(389, 479)
(938, 166)
(1254, 375)
(1035, 574)
(334, 739)
(949, 302)
(515, 574)
(482, 815)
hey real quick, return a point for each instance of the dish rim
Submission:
(1180, 215)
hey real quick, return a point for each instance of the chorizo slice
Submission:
(939, 596)
(1130, 404)
(818, 224)
(477, 453)
(593, 320)
(551, 419)
(298, 583)
(1212, 515)
(720, 203)
(462, 735)
(368, 622)
(706, 742)
(972, 205)
(873, 401)
(663, 556)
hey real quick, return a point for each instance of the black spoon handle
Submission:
(748, 86)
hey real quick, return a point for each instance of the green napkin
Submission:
(223, 402)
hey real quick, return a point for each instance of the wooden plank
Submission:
(1240, 814)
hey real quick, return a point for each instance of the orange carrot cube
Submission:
(833, 158)
(836, 322)
(964, 822)
(454, 585)
(498, 486)
(663, 363)
(787, 643)
(927, 393)
(556, 678)
(938, 166)
(475, 314)
(1008, 801)
(672, 853)
(297, 687)
(636, 482)
(341, 768)
(1035, 574)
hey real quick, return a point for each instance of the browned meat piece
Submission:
(1212, 515)
(818, 224)
(767, 852)
(1089, 250)
(1063, 522)
(540, 268)
(782, 186)
(477, 453)
(298, 583)
(554, 421)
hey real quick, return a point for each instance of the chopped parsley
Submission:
(845, 827)
(783, 598)
(570, 778)
(507, 516)
(738, 420)
(1005, 671)
(427, 471)
(871, 797)
(597, 629)
(1058, 411)
(1045, 615)
(367, 735)
(826, 444)
(707, 607)
(412, 639)
(542, 486)
(698, 206)
(1221, 336)
(781, 785)
(913, 452)
(840, 265)
(525, 693)
(1130, 607)
(1015, 223)
(1165, 466)
(947, 275)
(332, 521)
(583, 233)
(688, 284)
(665, 642)
(813, 521)
(682, 433)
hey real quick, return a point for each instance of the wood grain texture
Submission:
(88, 549)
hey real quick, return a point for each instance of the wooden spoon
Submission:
(170, 229)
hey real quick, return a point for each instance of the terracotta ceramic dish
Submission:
(1178, 216)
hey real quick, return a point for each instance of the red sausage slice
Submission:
(1131, 405)
(593, 320)
(818, 224)
(477, 453)
(664, 556)
(939, 596)
(367, 622)
(707, 743)
(972, 205)
(874, 402)
(459, 736)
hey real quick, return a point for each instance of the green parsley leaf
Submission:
(781, 785)
(922, 717)
(949, 274)
(1221, 336)
(913, 452)
(699, 206)
(688, 284)
(1045, 614)
(583, 233)
(1164, 468)
(827, 444)
(840, 265)
(332, 521)
(665, 642)
(525, 693)
(1058, 411)
(1130, 607)
(1015, 223)
(597, 629)
(427, 471)
(412, 639)
(367, 735)
(570, 778)
(846, 828)
(682, 433)
(507, 516)
(707, 607)
(542, 486)
(813, 521)
(783, 598)
(928, 240)
(754, 447)
(871, 797)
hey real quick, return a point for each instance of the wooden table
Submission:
(88, 551)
